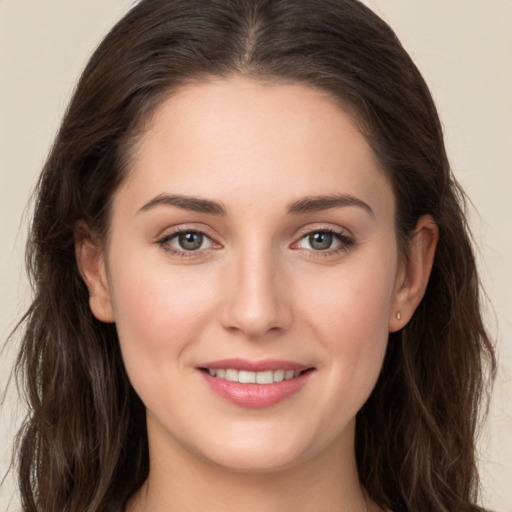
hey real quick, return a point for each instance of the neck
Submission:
(182, 481)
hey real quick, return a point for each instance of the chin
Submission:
(261, 462)
(261, 452)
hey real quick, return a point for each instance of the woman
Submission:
(254, 282)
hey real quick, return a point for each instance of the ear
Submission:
(91, 265)
(414, 272)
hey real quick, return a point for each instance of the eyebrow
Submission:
(305, 205)
(319, 203)
(191, 203)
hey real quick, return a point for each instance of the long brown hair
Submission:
(83, 446)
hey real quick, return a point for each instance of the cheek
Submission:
(349, 315)
(352, 302)
(158, 312)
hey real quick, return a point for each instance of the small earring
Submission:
(399, 316)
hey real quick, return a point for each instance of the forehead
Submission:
(255, 137)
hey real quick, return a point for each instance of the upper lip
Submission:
(254, 366)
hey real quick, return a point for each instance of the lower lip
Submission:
(256, 396)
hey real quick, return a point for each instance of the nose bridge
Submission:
(256, 303)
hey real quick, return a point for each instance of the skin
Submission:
(256, 289)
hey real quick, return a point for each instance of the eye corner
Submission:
(187, 242)
(330, 242)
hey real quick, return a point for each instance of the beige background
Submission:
(464, 49)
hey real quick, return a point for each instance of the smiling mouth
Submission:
(251, 377)
(255, 384)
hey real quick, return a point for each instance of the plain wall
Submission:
(463, 48)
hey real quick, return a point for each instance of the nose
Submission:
(256, 302)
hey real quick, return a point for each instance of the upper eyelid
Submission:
(343, 236)
(340, 233)
(337, 230)
(174, 234)
(340, 236)
(164, 243)
(172, 231)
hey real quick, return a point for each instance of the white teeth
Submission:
(231, 375)
(265, 377)
(248, 377)
(278, 375)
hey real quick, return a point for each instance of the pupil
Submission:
(320, 241)
(190, 241)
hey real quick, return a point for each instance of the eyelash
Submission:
(345, 243)
(164, 243)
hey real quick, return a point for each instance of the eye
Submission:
(324, 240)
(186, 241)
(320, 241)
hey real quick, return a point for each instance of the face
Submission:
(252, 272)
